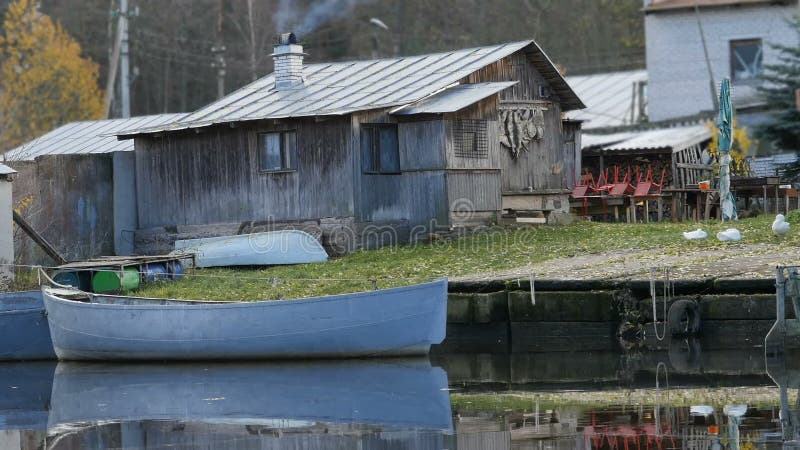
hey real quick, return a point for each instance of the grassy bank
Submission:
(485, 252)
(526, 402)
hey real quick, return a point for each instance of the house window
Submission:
(747, 59)
(379, 148)
(469, 139)
(277, 151)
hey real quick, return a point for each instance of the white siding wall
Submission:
(6, 231)
(678, 77)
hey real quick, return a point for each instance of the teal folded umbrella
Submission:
(725, 125)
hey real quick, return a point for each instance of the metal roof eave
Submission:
(454, 98)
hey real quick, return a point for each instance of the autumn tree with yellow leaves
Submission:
(45, 82)
(740, 147)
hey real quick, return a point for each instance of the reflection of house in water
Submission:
(632, 426)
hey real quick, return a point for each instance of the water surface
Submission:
(467, 401)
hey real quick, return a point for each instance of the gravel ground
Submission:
(742, 261)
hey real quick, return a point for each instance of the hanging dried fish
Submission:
(518, 127)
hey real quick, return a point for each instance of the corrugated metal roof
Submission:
(5, 170)
(673, 139)
(611, 99)
(346, 87)
(95, 136)
(767, 166)
(600, 140)
(454, 98)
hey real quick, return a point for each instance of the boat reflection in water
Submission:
(24, 401)
(377, 404)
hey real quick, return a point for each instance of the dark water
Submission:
(520, 401)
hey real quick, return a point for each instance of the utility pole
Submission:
(124, 62)
(711, 83)
(219, 53)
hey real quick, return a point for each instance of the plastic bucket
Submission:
(175, 270)
(108, 281)
(154, 272)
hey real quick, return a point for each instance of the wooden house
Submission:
(367, 151)
(76, 188)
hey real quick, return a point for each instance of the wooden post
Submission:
(646, 210)
(707, 212)
(766, 210)
(675, 211)
(660, 206)
(39, 239)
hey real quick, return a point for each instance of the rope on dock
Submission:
(664, 301)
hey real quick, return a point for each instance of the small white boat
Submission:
(256, 249)
(398, 321)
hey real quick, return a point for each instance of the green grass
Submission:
(486, 252)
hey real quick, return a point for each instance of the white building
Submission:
(6, 225)
(737, 35)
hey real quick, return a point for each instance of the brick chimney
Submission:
(288, 57)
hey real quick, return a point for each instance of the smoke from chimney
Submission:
(320, 12)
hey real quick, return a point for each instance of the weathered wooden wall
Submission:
(213, 176)
(72, 205)
(543, 166)
(572, 152)
(419, 193)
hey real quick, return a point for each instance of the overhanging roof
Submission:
(663, 139)
(5, 170)
(347, 87)
(454, 98)
(94, 136)
(589, 141)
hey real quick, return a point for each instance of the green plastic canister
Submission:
(106, 281)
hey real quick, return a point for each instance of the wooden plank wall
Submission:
(543, 166)
(417, 194)
(73, 206)
(687, 168)
(572, 152)
(213, 177)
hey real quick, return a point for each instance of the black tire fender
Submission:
(685, 355)
(683, 318)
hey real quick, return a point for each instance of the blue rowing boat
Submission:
(256, 249)
(390, 393)
(24, 333)
(389, 322)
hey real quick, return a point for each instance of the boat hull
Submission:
(256, 249)
(399, 321)
(24, 331)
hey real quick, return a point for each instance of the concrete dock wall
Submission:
(507, 321)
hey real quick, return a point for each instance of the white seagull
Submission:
(780, 227)
(729, 235)
(696, 234)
